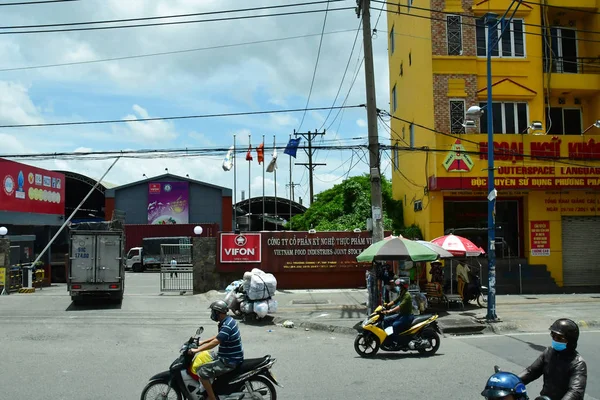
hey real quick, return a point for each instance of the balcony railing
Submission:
(580, 65)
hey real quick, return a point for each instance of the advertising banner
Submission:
(540, 238)
(168, 203)
(24, 188)
(293, 251)
(242, 248)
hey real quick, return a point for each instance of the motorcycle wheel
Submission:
(262, 387)
(434, 339)
(366, 344)
(482, 300)
(156, 391)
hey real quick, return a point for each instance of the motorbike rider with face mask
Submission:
(564, 370)
(402, 307)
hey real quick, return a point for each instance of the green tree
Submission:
(347, 205)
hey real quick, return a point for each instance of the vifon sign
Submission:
(240, 248)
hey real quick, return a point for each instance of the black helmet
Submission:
(567, 328)
(218, 307)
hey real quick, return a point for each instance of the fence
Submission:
(178, 276)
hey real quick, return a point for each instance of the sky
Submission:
(232, 76)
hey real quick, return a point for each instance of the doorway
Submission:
(563, 44)
(468, 218)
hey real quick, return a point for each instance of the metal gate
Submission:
(176, 268)
(581, 256)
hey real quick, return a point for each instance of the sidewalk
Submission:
(343, 310)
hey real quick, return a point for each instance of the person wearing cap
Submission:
(564, 370)
(401, 308)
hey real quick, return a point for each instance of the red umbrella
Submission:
(458, 246)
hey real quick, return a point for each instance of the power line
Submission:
(114, 21)
(561, 7)
(26, 3)
(474, 25)
(172, 52)
(312, 83)
(178, 22)
(115, 121)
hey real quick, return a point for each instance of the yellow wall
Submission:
(414, 94)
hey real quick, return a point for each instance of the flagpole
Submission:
(291, 189)
(249, 182)
(234, 188)
(263, 165)
(275, 185)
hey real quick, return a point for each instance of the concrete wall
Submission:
(206, 276)
(205, 203)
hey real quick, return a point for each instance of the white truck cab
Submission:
(134, 256)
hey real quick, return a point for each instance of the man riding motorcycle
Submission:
(564, 370)
(402, 307)
(504, 386)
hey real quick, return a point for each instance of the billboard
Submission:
(24, 188)
(168, 203)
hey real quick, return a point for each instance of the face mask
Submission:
(213, 315)
(558, 346)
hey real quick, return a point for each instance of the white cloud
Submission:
(16, 107)
(150, 130)
(361, 122)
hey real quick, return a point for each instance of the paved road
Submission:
(50, 349)
(523, 348)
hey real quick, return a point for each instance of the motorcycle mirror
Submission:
(200, 330)
(496, 369)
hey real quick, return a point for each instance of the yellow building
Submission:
(546, 70)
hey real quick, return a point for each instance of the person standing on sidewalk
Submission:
(173, 267)
(564, 370)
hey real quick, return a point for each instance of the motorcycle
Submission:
(423, 335)
(252, 379)
(473, 290)
(497, 369)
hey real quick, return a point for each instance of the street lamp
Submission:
(536, 126)
(594, 125)
(198, 230)
(3, 231)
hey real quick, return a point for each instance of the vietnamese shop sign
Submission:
(168, 203)
(513, 151)
(280, 251)
(540, 238)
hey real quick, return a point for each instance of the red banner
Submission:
(242, 248)
(540, 238)
(24, 188)
(519, 182)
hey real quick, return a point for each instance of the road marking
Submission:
(511, 334)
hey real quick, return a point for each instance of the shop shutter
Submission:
(581, 251)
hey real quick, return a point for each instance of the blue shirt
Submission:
(230, 342)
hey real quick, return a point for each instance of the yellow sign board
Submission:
(2, 276)
(458, 160)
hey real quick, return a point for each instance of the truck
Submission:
(149, 255)
(96, 263)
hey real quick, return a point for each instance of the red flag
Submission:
(249, 154)
(260, 153)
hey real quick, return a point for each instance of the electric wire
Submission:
(27, 3)
(243, 17)
(200, 116)
(561, 7)
(223, 46)
(474, 25)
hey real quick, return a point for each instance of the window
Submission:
(394, 103)
(396, 157)
(412, 136)
(457, 116)
(454, 35)
(508, 118)
(511, 44)
(563, 42)
(564, 121)
(392, 42)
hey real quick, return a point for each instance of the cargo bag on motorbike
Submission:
(259, 285)
(204, 357)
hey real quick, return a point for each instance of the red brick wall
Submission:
(438, 29)
(441, 101)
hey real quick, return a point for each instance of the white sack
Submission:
(261, 309)
(262, 287)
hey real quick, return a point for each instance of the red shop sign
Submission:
(242, 248)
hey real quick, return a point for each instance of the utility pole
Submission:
(292, 185)
(374, 161)
(310, 152)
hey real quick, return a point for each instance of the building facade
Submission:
(545, 72)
